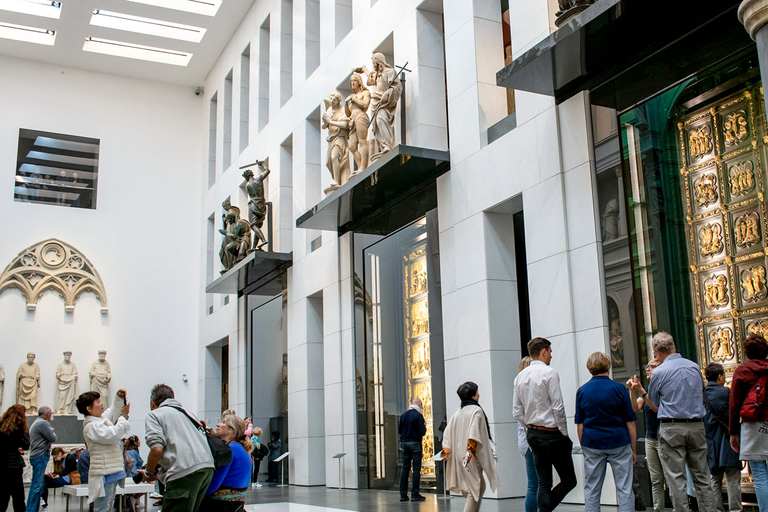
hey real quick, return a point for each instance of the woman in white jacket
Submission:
(103, 431)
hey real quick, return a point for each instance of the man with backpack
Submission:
(180, 449)
(722, 460)
(748, 413)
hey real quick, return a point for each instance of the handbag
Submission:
(221, 451)
(753, 404)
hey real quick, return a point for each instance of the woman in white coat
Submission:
(468, 432)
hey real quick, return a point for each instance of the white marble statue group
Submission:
(351, 130)
(28, 382)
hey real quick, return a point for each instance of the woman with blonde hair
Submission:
(532, 493)
(230, 483)
(14, 438)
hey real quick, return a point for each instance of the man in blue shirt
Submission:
(676, 392)
(605, 421)
(412, 428)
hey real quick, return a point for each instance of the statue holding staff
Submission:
(386, 93)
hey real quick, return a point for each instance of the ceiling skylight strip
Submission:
(136, 51)
(27, 34)
(69, 145)
(205, 7)
(44, 8)
(147, 26)
(64, 159)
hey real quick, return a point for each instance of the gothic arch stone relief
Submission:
(57, 266)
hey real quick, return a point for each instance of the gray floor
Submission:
(347, 500)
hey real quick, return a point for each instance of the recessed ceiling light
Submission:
(27, 34)
(136, 51)
(45, 8)
(147, 26)
(206, 7)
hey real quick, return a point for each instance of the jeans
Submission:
(104, 504)
(595, 461)
(531, 504)
(656, 472)
(733, 475)
(552, 449)
(53, 483)
(411, 456)
(760, 474)
(682, 444)
(38, 464)
(12, 486)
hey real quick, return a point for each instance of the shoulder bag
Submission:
(222, 453)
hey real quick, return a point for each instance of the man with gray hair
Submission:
(41, 435)
(676, 392)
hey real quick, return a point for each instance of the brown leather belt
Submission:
(548, 429)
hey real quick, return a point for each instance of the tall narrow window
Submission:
(264, 74)
(284, 218)
(507, 35)
(286, 51)
(210, 261)
(227, 129)
(312, 35)
(245, 82)
(212, 121)
(343, 19)
(314, 180)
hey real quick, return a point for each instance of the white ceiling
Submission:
(74, 26)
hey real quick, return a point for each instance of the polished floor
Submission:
(271, 498)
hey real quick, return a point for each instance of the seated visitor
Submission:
(64, 464)
(83, 465)
(230, 483)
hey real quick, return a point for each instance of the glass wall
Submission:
(398, 329)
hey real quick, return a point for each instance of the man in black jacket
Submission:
(411, 429)
(721, 458)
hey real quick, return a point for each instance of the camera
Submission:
(199, 91)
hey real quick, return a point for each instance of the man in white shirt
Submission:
(538, 406)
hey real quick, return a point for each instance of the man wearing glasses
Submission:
(676, 392)
(651, 437)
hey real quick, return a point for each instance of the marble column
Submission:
(754, 15)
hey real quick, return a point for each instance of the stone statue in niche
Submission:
(611, 220)
(616, 339)
(27, 384)
(257, 203)
(227, 261)
(100, 376)
(2, 383)
(356, 108)
(284, 376)
(387, 90)
(337, 125)
(66, 375)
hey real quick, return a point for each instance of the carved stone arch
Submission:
(57, 266)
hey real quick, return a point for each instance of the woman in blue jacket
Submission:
(230, 483)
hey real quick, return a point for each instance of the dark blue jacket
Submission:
(412, 426)
(719, 452)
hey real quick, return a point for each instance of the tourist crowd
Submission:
(697, 433)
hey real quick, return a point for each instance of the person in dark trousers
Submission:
(411, 429)
(723, 461)
(14, 440)
(275, 447)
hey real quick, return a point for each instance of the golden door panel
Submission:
(420, 363)
(715, 291)
(705, 188)
(722, 174)
(709, 240)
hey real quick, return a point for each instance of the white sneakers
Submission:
(255, 485)
(155, 495)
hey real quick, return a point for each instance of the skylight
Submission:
(147, 26)
(45, 8)
(205, 7)
(27, 34)
(136, 51)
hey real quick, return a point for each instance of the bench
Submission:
(81, 491)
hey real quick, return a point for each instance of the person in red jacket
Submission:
(753, 444)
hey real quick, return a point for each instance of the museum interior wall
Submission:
(138, 238)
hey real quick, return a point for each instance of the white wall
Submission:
(142, 238)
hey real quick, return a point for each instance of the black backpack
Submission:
(263, 451)
(222, 453)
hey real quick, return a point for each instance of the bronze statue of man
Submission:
(227, 260)
(239, 235)
(257, 203)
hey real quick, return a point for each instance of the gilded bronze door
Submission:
(722, 156)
